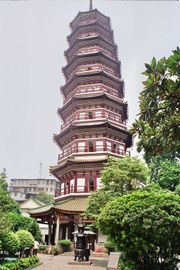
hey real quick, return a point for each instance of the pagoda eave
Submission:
(91, 127)
(97, 99)
(100, 56)
(81, 13)
(93, 24)
(91, 40)
(86, 77)
(71, 165)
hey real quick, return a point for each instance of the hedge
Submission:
(20, 264)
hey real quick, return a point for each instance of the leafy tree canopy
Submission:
(19, 222)
(3, 182)
(10, 243)
(158, 126)
(123, 175)
(119, 177)
(26, 240)
(7, 203)
(165, 172)
(44, 197)
(144, 225)
(5, 224)
(97, 201)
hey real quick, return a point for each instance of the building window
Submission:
(91, 146)
(90, 184)
(90, 115)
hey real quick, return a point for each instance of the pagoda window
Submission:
(99, 145)
(90, 147)
(81, 146)
(91, 186)
(114, 148)
(90, 115)
(80, 184)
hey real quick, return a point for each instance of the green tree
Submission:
(96, 202)
(45, 198)
(10, 243)
(26, 240)
(3, 182)
(20, 222)
(158, 126)
(119, 177)
(144, 225)
(5, 227)
(165, 172)
(178, 189)
(7, 204)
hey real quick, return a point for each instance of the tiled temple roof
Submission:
(71, 205)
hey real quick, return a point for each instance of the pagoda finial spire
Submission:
(90, 5)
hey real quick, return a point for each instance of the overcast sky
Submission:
(32, 43)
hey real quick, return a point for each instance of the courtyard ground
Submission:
(60, 262)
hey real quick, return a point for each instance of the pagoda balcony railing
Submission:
(90, 150)
(75, 189)
(103, 116)
(94, 68)
(88, 35)
(89, 50)
(93, 90)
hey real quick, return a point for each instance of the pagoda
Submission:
(94, 116)
(94, 113)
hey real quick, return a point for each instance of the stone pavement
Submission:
(59, 262)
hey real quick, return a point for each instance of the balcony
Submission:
(103, 115)
(90, 150)
(93, 89)
(94, 49)
(75, 189)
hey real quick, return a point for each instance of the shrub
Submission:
(56, 250)
(42, 247)
(144, 225)
(26, 240)
(109, 246)
(10, 243)
(64, 243)
(20, 264)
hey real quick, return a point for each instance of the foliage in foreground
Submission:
(119, 177)
(20, 222)
(7, 204)
(26, 240)
(20, 264)
(10, 243)
(165, 172)
(144, 225)
(158, 126)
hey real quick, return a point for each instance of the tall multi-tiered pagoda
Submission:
(94, 117)
(94, 113)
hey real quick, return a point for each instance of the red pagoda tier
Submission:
(94, 113)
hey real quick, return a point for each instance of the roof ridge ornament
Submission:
(90, 5)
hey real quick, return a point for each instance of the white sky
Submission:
(32, 42)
